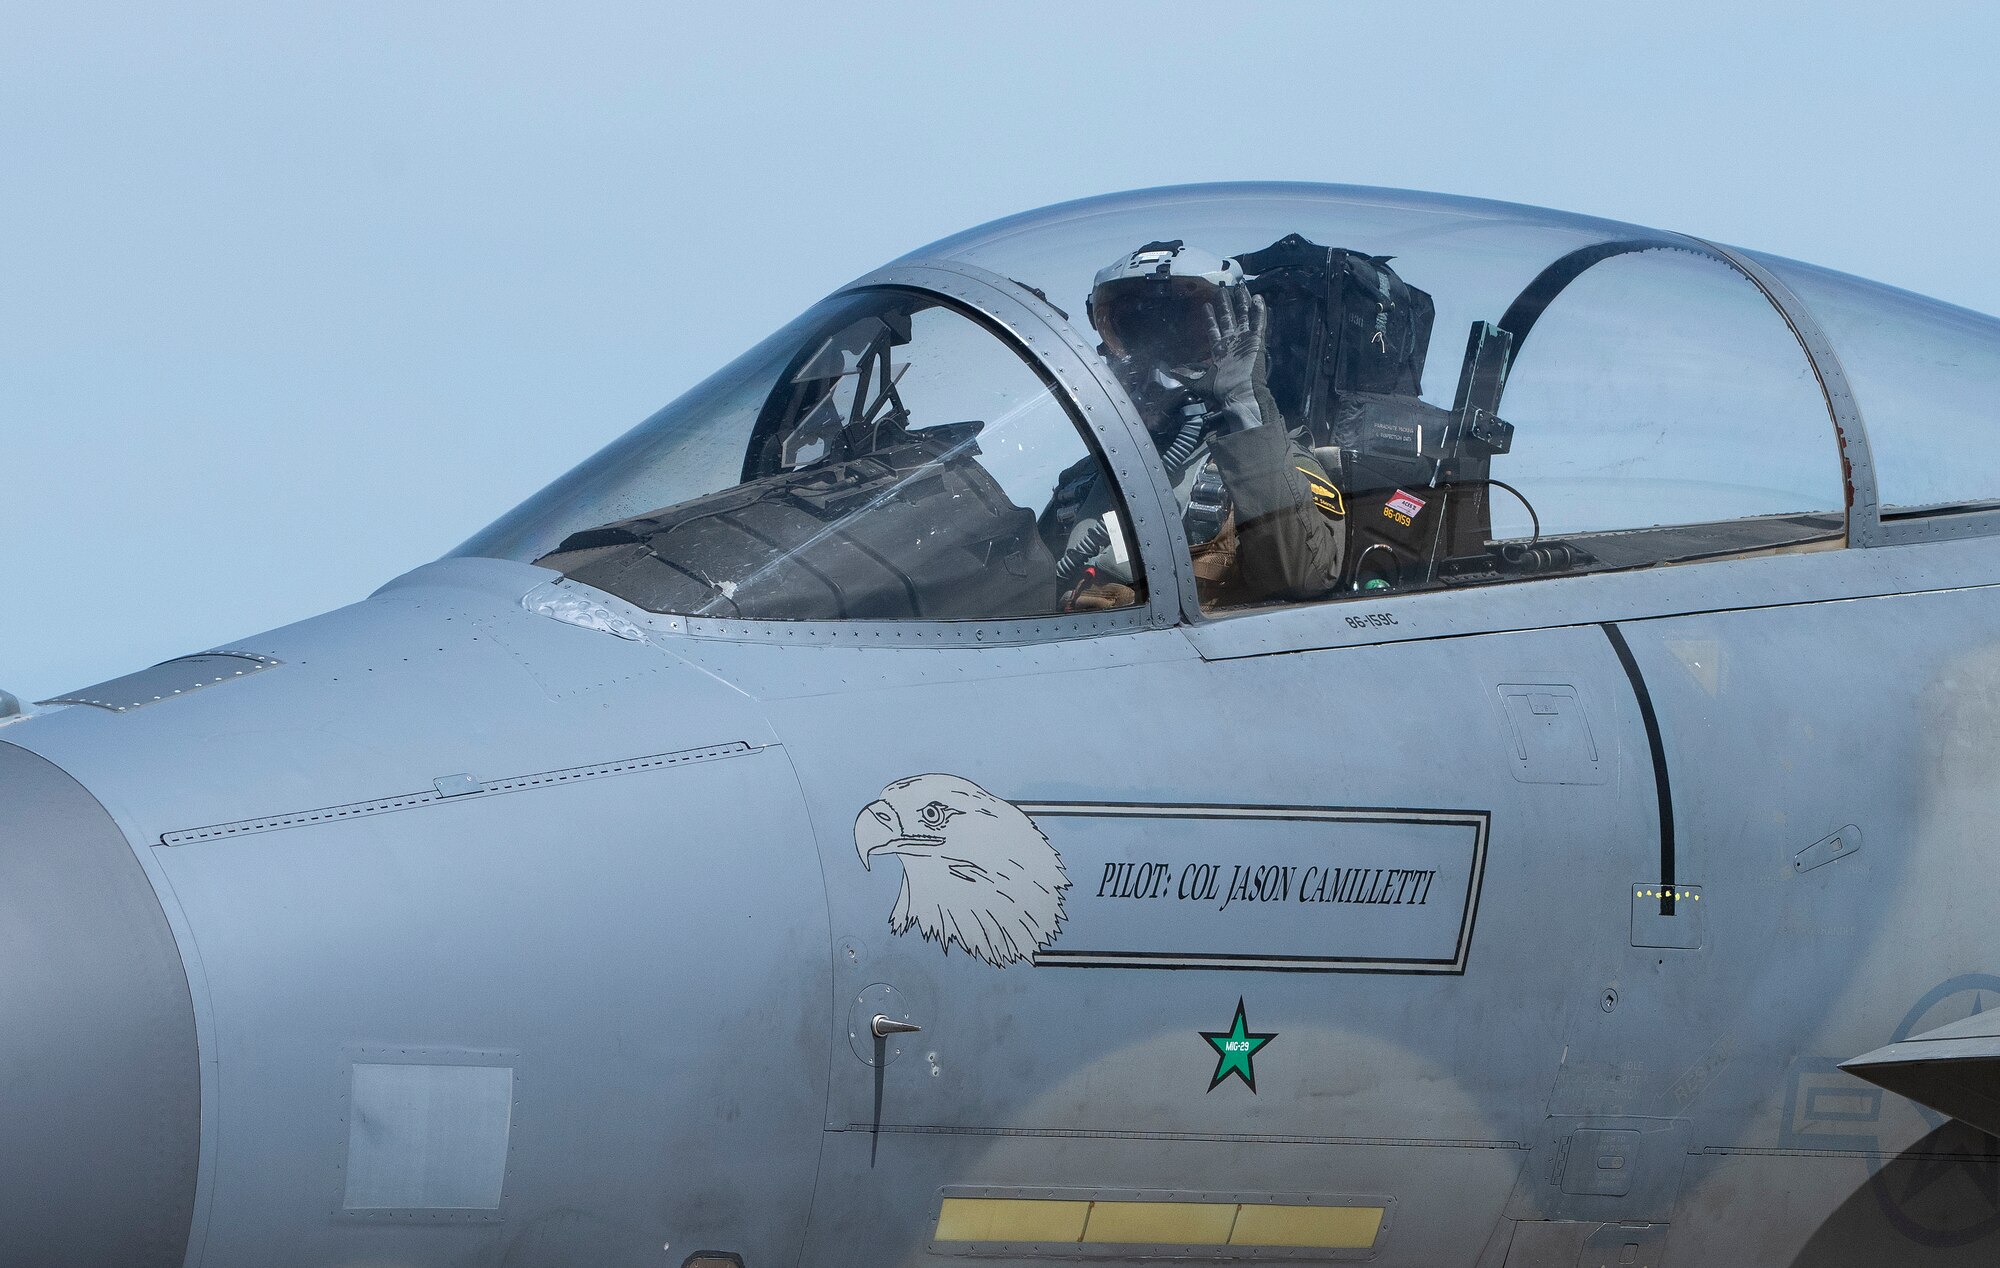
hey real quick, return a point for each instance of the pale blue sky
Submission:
(294, 300)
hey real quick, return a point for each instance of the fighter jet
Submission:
(1237, 724)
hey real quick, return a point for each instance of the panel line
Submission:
(1663, 791)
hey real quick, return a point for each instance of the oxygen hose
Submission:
(1081, 551)
(1185, 443)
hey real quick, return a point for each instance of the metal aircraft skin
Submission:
(875, 814)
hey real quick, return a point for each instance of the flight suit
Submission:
(1288, 521)
(1282, 538)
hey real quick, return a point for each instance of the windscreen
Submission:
(885, 457)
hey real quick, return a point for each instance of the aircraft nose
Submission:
(99, 1073)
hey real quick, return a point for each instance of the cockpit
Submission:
(888, 463)
(1192, 402)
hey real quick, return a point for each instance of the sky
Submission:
(294, 299)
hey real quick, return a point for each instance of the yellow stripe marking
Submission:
(1110, 1223)
(1154, 1223)
(1321, 1227)
(1011, 1220)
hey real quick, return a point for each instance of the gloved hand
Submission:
(1233, 375)
(1097, 598)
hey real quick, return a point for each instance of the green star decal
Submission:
(1234, 1048)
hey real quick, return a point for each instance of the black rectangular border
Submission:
(1479, 821)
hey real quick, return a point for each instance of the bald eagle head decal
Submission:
(976, 871)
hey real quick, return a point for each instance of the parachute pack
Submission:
(1341, 323)
(1347, 346)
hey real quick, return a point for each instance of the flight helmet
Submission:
(1146, 305)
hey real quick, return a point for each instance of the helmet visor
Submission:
(1156, 319)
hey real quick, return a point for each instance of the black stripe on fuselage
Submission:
(1662, 787)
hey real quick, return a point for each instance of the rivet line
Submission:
(516, 783)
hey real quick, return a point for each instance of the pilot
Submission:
(1187, 339)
